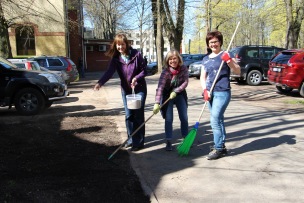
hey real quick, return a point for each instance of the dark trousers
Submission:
(134, 118)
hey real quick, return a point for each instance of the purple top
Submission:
(165, 82)
(134, 68)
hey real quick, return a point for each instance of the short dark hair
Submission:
(213, 34)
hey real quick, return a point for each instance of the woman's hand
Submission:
(134, 82)
(206, 95)
(97, 87)
(226, 57)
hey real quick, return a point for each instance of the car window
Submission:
(233, 52)
(35, 65)
(283, 57)
(252, 52)
(20, 65)
(41, 62)
(196, 57)
(55, 62)
(267, 53)
(71, 62)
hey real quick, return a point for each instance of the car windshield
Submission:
(35, 65)
(6, 64)
(233, 52)
(283, 57)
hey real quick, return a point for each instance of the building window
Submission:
(147, 42)
(137, 42)
(165, 49)
(137, 34)
(102, 48)
(90, 48)
(147, 50)
(25, 40)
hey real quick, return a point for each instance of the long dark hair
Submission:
(119, 38)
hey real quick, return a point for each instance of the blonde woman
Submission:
(172, 83)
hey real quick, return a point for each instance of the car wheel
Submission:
(301, 89)
(198, 77)
(254, 78)
(284, 89)
(29, 101)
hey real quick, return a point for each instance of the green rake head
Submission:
(184, 148)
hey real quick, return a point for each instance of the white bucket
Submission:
(134, 101)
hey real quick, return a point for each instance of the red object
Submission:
(206, 95)
(226, 57)
(286, 69)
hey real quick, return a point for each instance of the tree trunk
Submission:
(174, 32)
(159, 37)
(293, 24)
(5, 47)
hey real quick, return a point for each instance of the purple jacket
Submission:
(136, 67)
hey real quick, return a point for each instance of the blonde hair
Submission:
(169, 55)
(119, 38)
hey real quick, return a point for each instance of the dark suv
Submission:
(59, 63)
(29, 91)
(286, 71)
(254, 62)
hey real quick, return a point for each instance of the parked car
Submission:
(195, 69)
(254, 62)
(185, 56)
(22, 63)
(286, 71)
(33, 65)
(59, 63)
(193, 58)
(29, 91)
(152, 68)
(61, 74)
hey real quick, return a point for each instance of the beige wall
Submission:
(57, 47)
(49, 26)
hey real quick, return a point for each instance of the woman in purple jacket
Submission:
(131, 69)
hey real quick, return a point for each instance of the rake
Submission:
(135, 131)
(184, 147)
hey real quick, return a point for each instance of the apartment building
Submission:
(145, 43)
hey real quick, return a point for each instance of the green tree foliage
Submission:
(263, 22)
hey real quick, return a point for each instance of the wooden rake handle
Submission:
(217, 74)
(136, 131)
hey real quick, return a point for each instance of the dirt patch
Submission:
(61, 156)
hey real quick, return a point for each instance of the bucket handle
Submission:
(133, 92)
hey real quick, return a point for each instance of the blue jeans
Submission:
(182, 108)
(134, 118)
(217, 107)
